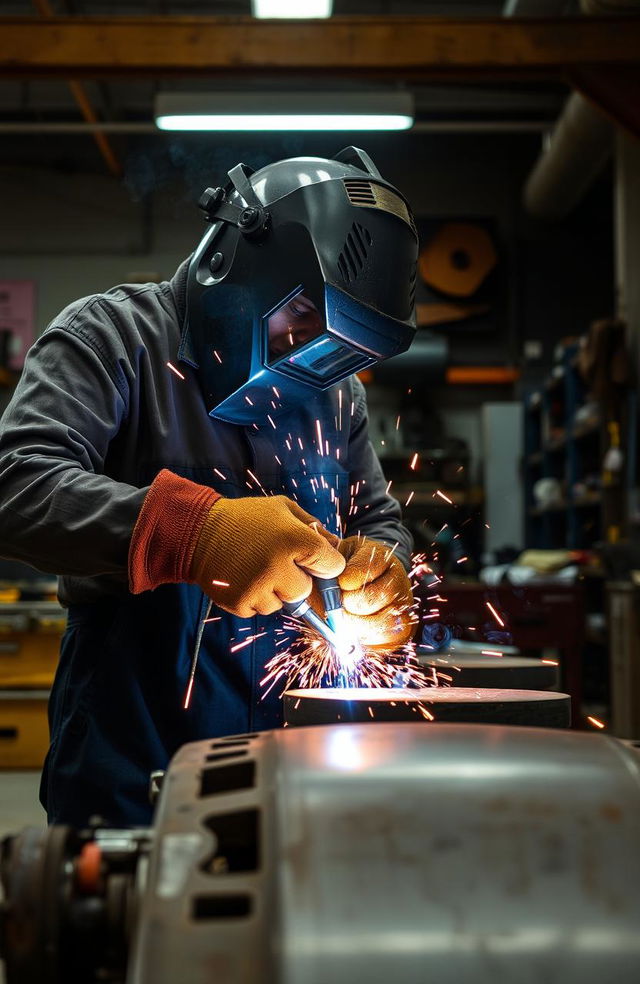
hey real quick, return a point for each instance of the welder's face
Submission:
(293, 325)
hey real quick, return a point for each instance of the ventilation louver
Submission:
(353, 258)
(367, 194)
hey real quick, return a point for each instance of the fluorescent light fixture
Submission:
(291, 8)
(258, 111)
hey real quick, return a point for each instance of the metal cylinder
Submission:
(508, 672)
(577, 151)
(459, 854)
(333, 705)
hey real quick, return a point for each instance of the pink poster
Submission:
(17, 317)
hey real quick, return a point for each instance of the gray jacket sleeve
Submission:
(373, 513)
(59, 512)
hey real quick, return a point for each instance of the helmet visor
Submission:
(298, 344)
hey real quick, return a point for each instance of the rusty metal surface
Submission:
(462, 854)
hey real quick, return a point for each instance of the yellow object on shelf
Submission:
(24, 729)
(26, 657)
(9, 596)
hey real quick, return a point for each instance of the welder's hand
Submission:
(376, 593)
(252, 554)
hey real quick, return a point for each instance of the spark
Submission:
(595, 722)
(494, 613)
(275, 391)
(257, 481)
(173, 369)
(219, 474)
(270, 419)
(411, 495)
(187, 696)
(250, 402)
(216, 618)
(389, 484)
(397, 421)
(221, 584)
(217, 357)
(246, 642)
(491, 652)
(414, 462)
(445, 497)
(309, 661)
(550, 662)
(462, 560)
(319, 433)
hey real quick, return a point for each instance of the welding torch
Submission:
(332, 599)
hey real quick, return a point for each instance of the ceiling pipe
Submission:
(580, 144)
(576, 152)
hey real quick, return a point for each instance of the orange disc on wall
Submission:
(457, 259)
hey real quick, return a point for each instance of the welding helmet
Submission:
(305, 275)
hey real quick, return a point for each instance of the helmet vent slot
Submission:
(353, 258)
(360, 192)
(412, 289)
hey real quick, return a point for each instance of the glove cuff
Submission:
(166, 532)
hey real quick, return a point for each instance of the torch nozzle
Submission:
(304, 611)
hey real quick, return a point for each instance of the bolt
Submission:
(248, 216)
(216, 262)
(210, 198)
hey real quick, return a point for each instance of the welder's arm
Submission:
(249, 555)
(376, 592)
(375, 514)
(58, 512)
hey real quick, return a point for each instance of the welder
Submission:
(204, 440)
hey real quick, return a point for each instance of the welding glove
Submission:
(249, 555)
(376, 593)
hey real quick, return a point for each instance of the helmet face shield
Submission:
(299, 344)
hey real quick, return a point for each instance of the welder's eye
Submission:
(293, 325)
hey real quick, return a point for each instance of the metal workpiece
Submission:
(508, 672)
(463, 854)
(459, 854)
(459, 705)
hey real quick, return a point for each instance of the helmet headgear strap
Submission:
(252, 218)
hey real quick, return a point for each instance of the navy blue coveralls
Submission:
(96, 415)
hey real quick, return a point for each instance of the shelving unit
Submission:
(566, 438)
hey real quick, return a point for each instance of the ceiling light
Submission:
(258, 111)
(291, 8)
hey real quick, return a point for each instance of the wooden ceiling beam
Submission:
(403, 48)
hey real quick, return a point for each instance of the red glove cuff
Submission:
(166, 531)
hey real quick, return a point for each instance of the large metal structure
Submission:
(405, 852)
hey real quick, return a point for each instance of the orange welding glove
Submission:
(253, 554)
(376, 593)
(248, 555)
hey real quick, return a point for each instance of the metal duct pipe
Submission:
(576, 152)
(579, 145)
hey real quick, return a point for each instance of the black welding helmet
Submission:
(305, 276)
